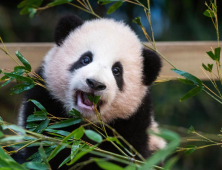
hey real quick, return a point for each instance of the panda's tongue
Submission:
(85, 100)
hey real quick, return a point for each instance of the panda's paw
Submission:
(155, 142)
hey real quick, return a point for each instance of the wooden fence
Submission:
(186, 56)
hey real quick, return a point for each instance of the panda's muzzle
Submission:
(95, 85)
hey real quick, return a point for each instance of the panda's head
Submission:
(100, 57)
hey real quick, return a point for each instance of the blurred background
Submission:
(173, 20)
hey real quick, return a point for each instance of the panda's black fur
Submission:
(133, 129)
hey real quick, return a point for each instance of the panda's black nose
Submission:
(95, 85)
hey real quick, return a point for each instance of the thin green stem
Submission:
(212, 96)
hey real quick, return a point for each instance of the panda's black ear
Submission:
(151, 66)
(65, 25)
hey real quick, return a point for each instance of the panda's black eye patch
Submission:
(117, 70)
(84, 60)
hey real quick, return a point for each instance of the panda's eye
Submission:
(86, 60)
(116, 71)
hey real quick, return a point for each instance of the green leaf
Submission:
(185, 81)
(36, 156)
(188, 76)
(1, 134)
(191, 150)
(42, 126)
(59, 2)
(217, 53)
(5, 83)
(104, 2)
(174, 141)
(22, 59)
(209, 13)
(81, 154)
(0, 71)
(211, 55)
(36, 166)
(32, 12)
(1, 120)
(205, 67)
(65, 161)
(137, 20)
(210, 66)
(24, 11)
(114, 139)
(78, 133)
(43, 156)
(93, 136)
(22, 87)
(58, 148)
(75, 149)
(9, 138)
(21, 78)
(90, 98)
(192, 92)
(191, 130)
(60, 132)
(22, 4)
(96, 99)
(114, 7)
(75, 113)
(39, 105)
(169, 164)
(33, 118)
(65, 123)
(15, 128)
(107, 165)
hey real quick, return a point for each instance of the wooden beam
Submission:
(187, 56)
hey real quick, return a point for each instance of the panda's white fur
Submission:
(109, 41)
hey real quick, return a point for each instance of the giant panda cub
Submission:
(105, 58)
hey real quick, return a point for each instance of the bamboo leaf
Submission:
(59, 2)
(9, 138)
(217, 53)
(185, 81)
(191, 130)
(209, 13)
(211, 55)
(192, 92)
(33, 118)
(65, 161)
(21, 78)
(210, 66)
(96, 99)
(137, 20)
(22, 59)
(78, 133)
(75, 149)
(43, 156)
(81, 154)
(107, 165)
(36, 166)
(39, 105)
(93, 136)
(15, 128)
(65, 123)
(114, 7)
(75, 113)
(40, 128)
(60, 132)
(22, 87)
(188, 76)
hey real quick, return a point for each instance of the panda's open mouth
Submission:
(84, 102)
